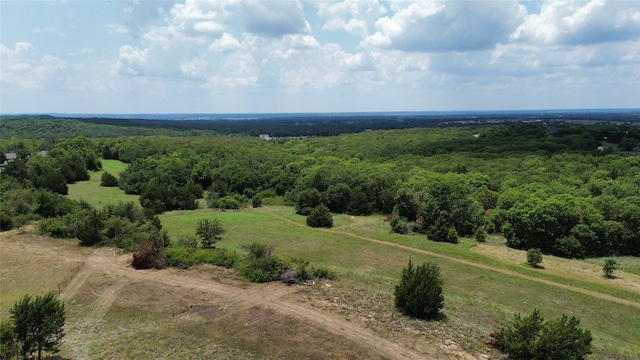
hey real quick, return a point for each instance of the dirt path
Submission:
(471, 263)
(273, 296)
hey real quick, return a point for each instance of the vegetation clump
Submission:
(149, 255)
(36, 326)
(108, 180)
(610, 265)
(534, 258)
(320, 217)
(210, 232)
(419, 293)
(530, 338)
(481, 235)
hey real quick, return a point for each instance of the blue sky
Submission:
(242, 56)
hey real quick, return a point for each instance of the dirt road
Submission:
(105, 286)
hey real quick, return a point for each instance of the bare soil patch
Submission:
(116, 312)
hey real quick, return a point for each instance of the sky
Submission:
(248, 56)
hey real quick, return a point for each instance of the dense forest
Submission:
(569, 190)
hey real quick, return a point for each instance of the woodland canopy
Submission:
(567, 190)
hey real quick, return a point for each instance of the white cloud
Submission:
(225, 43)
(353, 16)
(435, 26)
(24, 73)
(194, 68)
(131, 61)
(274, 18)
(572, 22)
(18, 48)
(358, 62)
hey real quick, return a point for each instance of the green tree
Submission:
(90, 228)
(628, 144)
(530, 338)
(419, 293)
(8, 348)
(307, 200)
(609, 266)
(534, 257)
(38, 324)
(209, 231)
(320, 217)
(108, 180)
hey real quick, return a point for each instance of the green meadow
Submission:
(99, 196)
(481, 293)
(480, 298)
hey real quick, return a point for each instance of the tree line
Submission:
(552, 190)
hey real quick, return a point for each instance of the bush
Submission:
(56, 227)
(609, 266)
(108, 180)
(260, 265)
(209, 231)
(399, 225)
(6, 223)
(534, 258)
(187, 241)
(320, 217)
(419, 293)
(452, 236)
(256, 201)
(531, 338)
(89, 230)
(481, 235)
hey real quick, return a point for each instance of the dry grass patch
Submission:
(576, 269)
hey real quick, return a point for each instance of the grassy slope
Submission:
(477, 298)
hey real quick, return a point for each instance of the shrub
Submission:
(108, 180)
(534, 258)
(6, 223)
(323, 273)
(56, 227)
(419, 293)
(609, 266)
(452, 236)
(399, 225)
(187, 241)
(531, 338)
(320, 217)
(256, 201)
(481, 235)
(209, 231)
(260, 265)
(89, 230)
(179, 256)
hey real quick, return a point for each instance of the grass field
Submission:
(98, 196)
(477, 298)
(484, 284)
